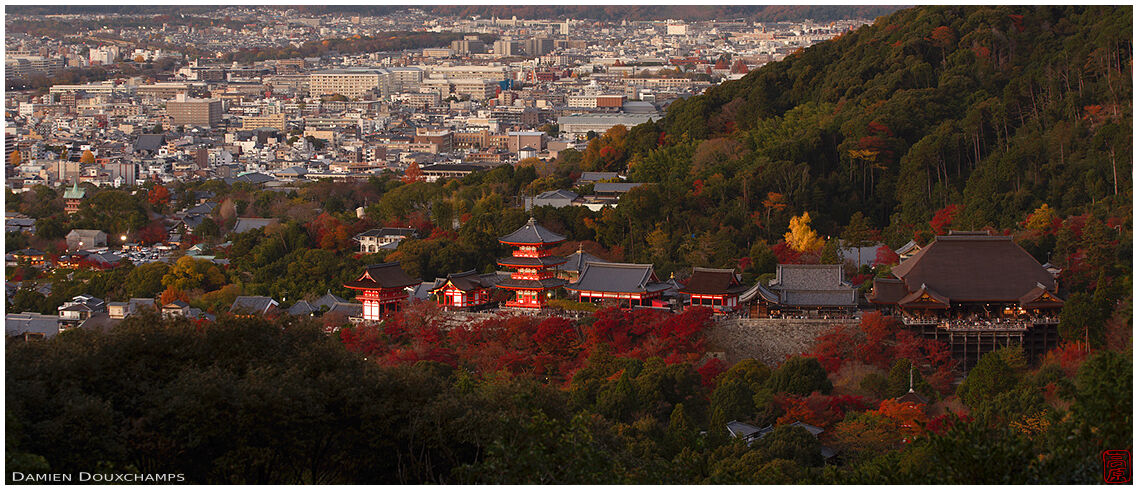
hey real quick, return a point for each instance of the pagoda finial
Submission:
(910, 376)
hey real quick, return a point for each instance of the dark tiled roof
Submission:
(469, 280)
(252, 304)
(824, 277)
(1039, 297)
(615, 187)
(385, 275)
(532, 233)
(968, 267)
(812, 285)
(547, 261)
(245, 224)
(887, 290)
(913, 397)
(924, 296)
(578, 259)
(618, 278)
(301, 307)
(350, 309)
(403, 232)
(150, 142)
(328, 300)
(758, 293)
(713, 281)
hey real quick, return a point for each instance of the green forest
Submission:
(1015, 120)
(247, 401)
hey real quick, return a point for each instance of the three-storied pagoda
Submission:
(382, 289)
(534, 275)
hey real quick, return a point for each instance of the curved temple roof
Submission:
(532, 234)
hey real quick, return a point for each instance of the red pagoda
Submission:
(382, 289)
(535, 272)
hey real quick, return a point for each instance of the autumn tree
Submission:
(159, 195)
(190, 273)
(413, 173)
(172, 294)
(87, 157)
(801, 238)
(943, 219)
(14, 158)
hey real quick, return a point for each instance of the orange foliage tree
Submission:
(413, 173)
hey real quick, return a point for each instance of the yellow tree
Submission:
(801, 237)
(1041, 219)
(14, 158)
(87, 157)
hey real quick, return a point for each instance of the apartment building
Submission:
(194, 112)
(351, 83)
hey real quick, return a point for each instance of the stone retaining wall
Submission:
(766, 339)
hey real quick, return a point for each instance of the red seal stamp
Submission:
(1116, 466)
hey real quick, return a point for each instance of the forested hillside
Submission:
(996, 109)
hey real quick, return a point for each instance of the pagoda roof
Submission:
(974, 267)
(532, 234)
(913, 397)
(547, 261)
(618, 278)
(542, 284)
(75, 192)
(387, 275)
(713, 281)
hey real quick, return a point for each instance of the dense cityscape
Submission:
(574, 245)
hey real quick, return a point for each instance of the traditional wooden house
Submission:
(382, 289)
(466, 290)
(629, 285)
(534, 277)
(718, 289)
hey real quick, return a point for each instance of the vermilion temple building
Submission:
(382, 290)
(534, 277)
(718, 289)
(629, 285)
(466, 290)
(977, 291)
